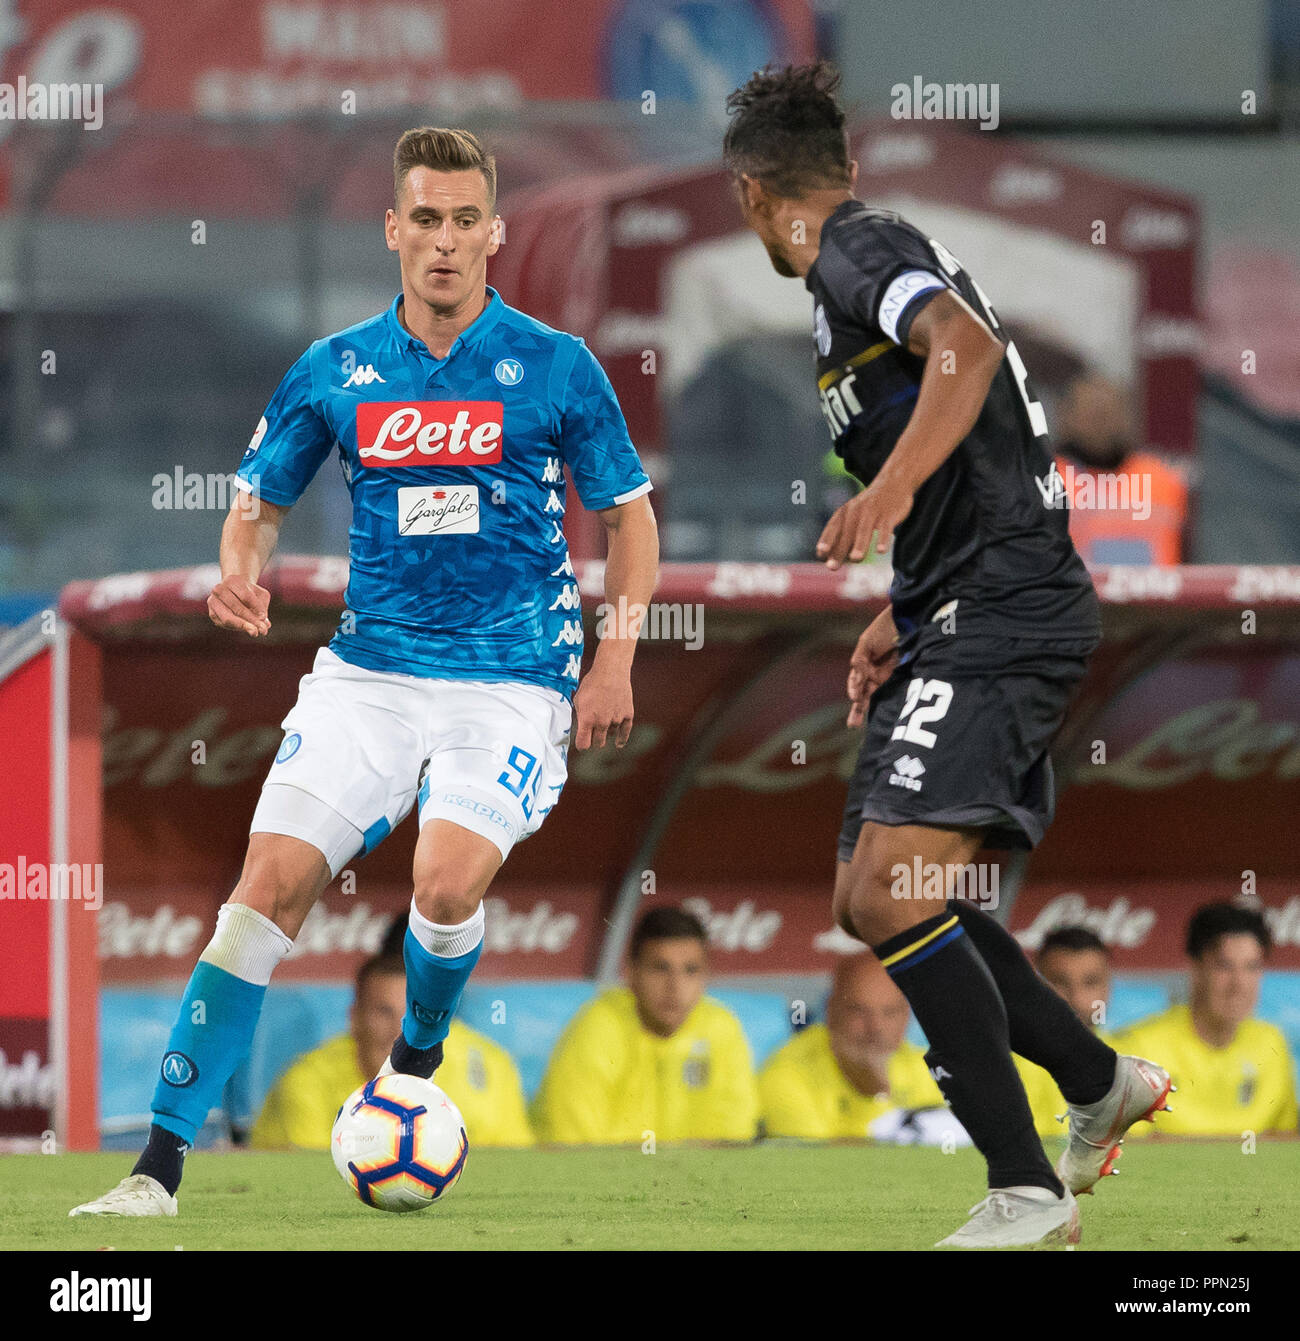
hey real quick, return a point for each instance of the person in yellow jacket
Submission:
(479, 1076)
(832, 1080)
(1235, 1075)
(1076, 964)
(655, 1061)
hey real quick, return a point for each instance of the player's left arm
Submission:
(603, 703)
(962, 356)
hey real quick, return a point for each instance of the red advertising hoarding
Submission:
(730, 792)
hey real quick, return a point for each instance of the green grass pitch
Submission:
(1168, 1196)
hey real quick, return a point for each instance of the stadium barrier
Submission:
(1179, 770)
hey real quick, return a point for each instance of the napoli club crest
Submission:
(509, 372)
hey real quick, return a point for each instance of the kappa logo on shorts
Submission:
(478, 807)
(907, 773)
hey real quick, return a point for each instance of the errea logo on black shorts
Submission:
(429, 432)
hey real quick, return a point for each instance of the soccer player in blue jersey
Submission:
(450, 681)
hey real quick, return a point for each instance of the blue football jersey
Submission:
(459, 566)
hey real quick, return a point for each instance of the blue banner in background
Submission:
(525, 1018)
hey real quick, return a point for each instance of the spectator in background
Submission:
(1234, 1074)
(480, 1078)
(1076, 965)
(1145, 500)
(833, 1080)
(655, 1057)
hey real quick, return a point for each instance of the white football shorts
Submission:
(361, 746)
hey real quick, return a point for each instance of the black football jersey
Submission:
(989, 529)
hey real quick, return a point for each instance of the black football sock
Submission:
(163, 1158)
(956, 1003)
(1042, 1027)
(422, 1062)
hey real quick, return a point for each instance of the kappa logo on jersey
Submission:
(570, 598)
(363, 376)
(907, 773)
(570, 635)
(429, 432)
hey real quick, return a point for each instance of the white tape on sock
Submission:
(246, 944)
(448, 942)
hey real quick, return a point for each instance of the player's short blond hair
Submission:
(444, 151)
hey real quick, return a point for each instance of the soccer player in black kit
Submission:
(965, 677)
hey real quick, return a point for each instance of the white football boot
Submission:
(137, 1194)
(1140, 1091)
(1018, 1217)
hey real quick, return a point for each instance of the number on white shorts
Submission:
(525, 765)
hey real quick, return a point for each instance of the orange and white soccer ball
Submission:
(399, 1143)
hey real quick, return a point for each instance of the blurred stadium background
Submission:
(158, 275)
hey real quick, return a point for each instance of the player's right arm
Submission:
(285, 452)
(248, 540)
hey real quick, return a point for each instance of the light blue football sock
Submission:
(214, 1028)
(433, 988)
(211, 1036)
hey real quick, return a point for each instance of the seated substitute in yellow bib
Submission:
(1235, 1075)
(656, 1060)
(832, 1080)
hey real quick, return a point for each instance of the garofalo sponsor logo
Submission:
(93, 1294)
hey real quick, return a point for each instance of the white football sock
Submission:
(246, 944)
(448, 942)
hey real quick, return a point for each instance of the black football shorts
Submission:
(958, 737)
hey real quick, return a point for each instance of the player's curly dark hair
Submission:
(787, 130)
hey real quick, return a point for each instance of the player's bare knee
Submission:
(282, 879)
(444, 899)
(873, 909)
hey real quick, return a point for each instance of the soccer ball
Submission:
(399, 1143)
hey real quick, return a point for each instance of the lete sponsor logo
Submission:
(541, 928)
(429, 432)
(1117, 923)
(26, 1084)
(1225, 739)
(744, 927)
